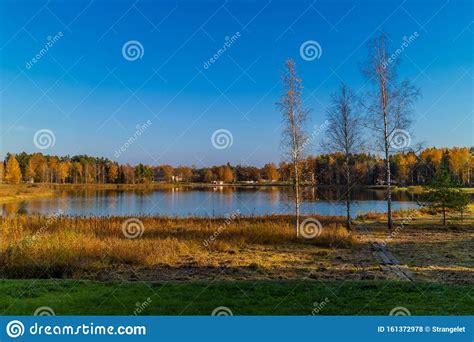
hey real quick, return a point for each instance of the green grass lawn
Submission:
(69, 297)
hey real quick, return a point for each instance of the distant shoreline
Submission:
(26, 191)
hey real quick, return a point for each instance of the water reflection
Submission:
(206, 201)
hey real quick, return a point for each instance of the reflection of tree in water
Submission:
(14, 208)
(204, 201)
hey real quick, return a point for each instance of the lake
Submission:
(206, 201)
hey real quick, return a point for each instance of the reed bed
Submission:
(64, 246)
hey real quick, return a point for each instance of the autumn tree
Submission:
(270, 172)
(389, 107)
(344, 135)
(112, 172)
(63, 171)
(12, 170)
(293, 135)
(2, 171)
(208, 176)
(167, 172)
(185, 173)
(225, 174)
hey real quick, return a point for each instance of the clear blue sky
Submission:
(92, 98)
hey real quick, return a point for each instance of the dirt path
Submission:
(388, 262)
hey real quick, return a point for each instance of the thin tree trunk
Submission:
(297, 200)
(348, 194)
(389, 193)
(387, 158)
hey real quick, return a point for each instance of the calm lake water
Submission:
(209, 201)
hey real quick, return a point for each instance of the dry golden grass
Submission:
(38, 246)
(21, 192)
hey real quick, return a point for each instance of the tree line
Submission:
(407, 168)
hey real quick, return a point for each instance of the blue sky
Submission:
(92, 98)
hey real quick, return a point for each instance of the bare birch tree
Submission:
(293, 135)
(389, 107)
(344, 135)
